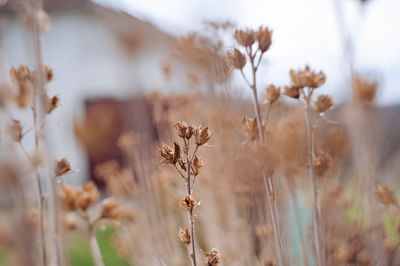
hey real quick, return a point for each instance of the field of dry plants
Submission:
(206, 177)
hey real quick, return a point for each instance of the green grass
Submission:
(80, 254)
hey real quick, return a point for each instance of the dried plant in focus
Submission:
(303, 84)
(255, 44)
(189, 167)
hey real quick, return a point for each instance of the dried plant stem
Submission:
(268, 182)
(94, 246)
(316, 214)
(189, 190)
(42, 198)
(38, 108)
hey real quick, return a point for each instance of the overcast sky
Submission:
(305, 32)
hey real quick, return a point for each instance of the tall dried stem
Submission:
(311, 170)
(268, 180)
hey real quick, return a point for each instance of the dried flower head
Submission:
(184, 235)
(307, 78)
(184, 129)
(250, 128)
(245, 37)
(52, 103)
(236, 59)
(197, 165)
(169, 155)
(203, 135)
(292, 91)
(272, 93)
(62, 167)
(188, 203)
(385, 196)
(68, 197)
(14, 130)
(264, 38)
(323, 103)
(364, 90)
(212, 257)
(22, 77)
(88, 197)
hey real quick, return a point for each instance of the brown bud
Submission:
(364, 90)
(184, 130)
(169, 155)
(236, 59)
(14, 131)
(245, 37)
(264, 36)
(62, 167)
(212, 257)
(385, 196)
(197, 165)
(188, 203)
(307, 78)
(52, 103)
(272, 93)
(202, 135)
(88, 197)
(292, 91)
(250, 128)
(184, 235)
(323, 103)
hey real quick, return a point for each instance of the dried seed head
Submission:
(245, 37)
(113, 210)
(292, 91)
(202, 135)
(364, 90)
(236, 59)
(41, 17)
(307, 78)
(88, 197)
(212, 257)
(14, 130)
(169, 155)
(22, 77)
(385, 195)
(250, 128)
(184, 235)
(62, 167)
(52, 103)
(272, 93)
(184, 130)
(264, 36)
(323, 103)
(197, 165)
(68, 197)
(188, 203)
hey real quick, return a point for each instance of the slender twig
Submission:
(268, 182)
(316, 213)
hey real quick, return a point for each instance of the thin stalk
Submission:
(94, 246)
(42, 236)
(268, 182)
(190, 213)
(39, 93)
(316, 214)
